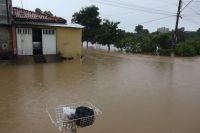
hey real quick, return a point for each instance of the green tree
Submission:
(180, 35)
(88, 17)
(140, 30)
(38, 11)
(186, 49)
(145, 31)
(48, 13)
(198, 31)
(195, 42)
(121, 34)
(145, 44)
(163, 40)
(108, 33)
(130, 43)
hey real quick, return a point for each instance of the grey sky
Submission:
(128, 17)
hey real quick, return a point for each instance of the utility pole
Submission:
(7, 9)
(174, 41)
(177, 21)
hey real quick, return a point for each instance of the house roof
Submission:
(77, 26)
(68, 25)
(20, 14)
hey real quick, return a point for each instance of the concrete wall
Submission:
(69, 42)
(5, 27)
(3, 11)
(5, 37)
(3, 20)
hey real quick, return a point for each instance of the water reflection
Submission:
(136, 93)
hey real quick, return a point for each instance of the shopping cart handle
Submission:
(53, 122)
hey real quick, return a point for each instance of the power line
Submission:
(131, 7)
(187, 5)
(193, 1)
(198, 13)
(144, 9)
(191, 21)
(190, 15)
(131, 13)
(153, 20)
(177, 21)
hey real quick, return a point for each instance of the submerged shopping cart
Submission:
(57, 117)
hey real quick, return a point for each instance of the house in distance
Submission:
(30, 33)
(46, 35)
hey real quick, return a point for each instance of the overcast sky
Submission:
(152, 14)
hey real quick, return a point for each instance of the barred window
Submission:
(48, 31)
(19, 31)
(24, 31)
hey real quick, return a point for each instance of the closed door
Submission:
(24, 41)
(49, 41)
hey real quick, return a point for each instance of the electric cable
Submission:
(121, 5)
(153, 20)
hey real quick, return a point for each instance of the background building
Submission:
(24, 32)
(163, 30)
(5, 26)
(39, 34)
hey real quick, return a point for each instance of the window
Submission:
(24, 31)
(48, 31)
(19, 31)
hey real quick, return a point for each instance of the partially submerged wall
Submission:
(69, 42)
(5, 38)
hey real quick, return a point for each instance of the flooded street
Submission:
(137, 94)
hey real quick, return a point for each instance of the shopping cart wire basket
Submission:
(58, 118)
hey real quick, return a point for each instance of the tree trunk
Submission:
(108, 47)
(121, 49)
(87, 44)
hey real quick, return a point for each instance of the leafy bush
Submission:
(164, 41)
(190, 47)
(185, 49)
(165, 52)
(196, 44)
(138, 44)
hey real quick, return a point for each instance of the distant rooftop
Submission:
(20, 14)
(49, 24)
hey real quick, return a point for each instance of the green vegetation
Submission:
(88, 17)
(39, 11)
(106, 32)
(190, 47)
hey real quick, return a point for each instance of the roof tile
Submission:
(20, 14)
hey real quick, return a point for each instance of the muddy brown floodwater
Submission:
(137, 94)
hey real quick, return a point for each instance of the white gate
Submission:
(49, 41)
(24, 41)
